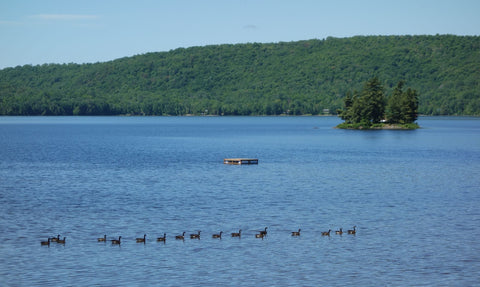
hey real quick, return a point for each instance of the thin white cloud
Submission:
(64, 17)
(250, 27)
(2, 22)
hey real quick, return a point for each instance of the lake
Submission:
(413, 196)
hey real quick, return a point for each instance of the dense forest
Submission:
(296, 78)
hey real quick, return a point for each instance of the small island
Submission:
(371, 109)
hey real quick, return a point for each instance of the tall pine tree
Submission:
(374, 98)
(402, 106)
(394, 106)
(410, 106)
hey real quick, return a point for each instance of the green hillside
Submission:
(304, 77)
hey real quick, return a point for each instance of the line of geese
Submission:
(259, 234)
(54, 239)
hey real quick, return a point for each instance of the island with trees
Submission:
(371, 108)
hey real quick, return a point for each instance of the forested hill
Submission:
(304, 77)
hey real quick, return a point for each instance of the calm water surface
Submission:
(413, 195)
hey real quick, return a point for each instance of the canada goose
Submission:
(61, 241)
(180, 237)
(219, 235)
(237, 234)
(326, 233)
(352, 231)
(339, 231)
(45, 242)
(116, 242)
(259, 235)
(55, 239)
(141, 240)
(163, 239)
(296, 233)
(195, 236)
(264, 232)
(102, 239)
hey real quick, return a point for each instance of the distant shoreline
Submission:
(381, 126)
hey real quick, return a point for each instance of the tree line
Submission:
(309, 77)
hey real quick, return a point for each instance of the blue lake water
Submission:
(413, 195)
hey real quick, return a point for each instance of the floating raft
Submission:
(240, 161)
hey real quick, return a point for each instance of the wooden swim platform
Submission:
(240, 161)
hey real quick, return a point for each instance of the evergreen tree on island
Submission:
(371, 108)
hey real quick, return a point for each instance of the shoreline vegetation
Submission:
(380, 126)
(310, 77)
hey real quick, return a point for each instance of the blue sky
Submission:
(87, 31)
